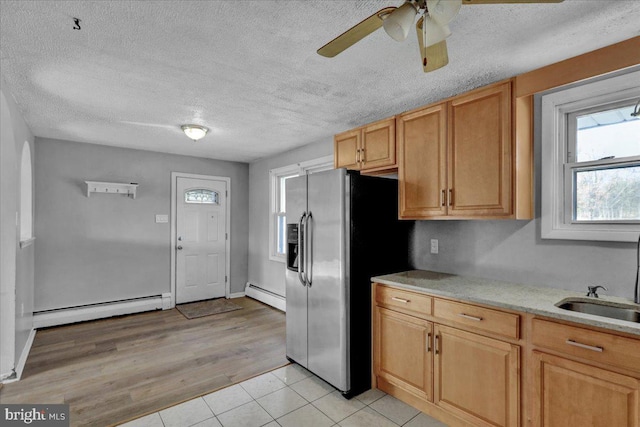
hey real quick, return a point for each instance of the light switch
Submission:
(162, 219)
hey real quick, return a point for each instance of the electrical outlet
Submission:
(434, 246)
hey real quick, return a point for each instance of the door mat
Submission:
(194, 310)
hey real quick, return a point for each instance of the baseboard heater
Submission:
(266, 296)
(63, 316)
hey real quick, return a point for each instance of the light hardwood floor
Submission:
(113, 370)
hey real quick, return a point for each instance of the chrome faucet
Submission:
(593, 291)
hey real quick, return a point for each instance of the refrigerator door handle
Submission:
(301, 249)
(308, 234)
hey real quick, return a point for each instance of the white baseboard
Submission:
(166, 301)
(25, 353)
(237, 295)
(266, 297)
(93, 312)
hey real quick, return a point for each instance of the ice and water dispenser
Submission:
(292, 247)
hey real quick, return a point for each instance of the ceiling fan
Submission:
(432, 27)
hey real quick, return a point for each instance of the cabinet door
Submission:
(402, 352)
(476, 377)
(480, 153)
(422, 164)
(574, 394)
(379, 145)
(346, 146)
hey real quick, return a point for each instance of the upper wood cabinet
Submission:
(457, 158)
(371, 148)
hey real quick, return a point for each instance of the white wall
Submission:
(107, 247)
(263, 272)
(16, 265)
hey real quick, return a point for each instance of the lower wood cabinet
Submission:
(570, 393)
(476, 377)
(403, 354)
(473, 377)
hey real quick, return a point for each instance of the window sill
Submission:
(591, 235)
(277, 258)
(27, 242)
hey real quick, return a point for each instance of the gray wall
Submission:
(263, 272)
(17, 265)
(108, 247)
(513, 250)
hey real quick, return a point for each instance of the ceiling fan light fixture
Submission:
(194, 132)
(435, 33)
(398, 23)
(443, 11)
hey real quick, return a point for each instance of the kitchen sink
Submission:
(629, 313)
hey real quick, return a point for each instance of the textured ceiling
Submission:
(249, 69)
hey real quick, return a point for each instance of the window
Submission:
(278, 181)
(591, 161)
(202, 196)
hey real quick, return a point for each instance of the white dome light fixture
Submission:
(194, 132)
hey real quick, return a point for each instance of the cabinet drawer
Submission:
(597, 346)
(497, 322)
(404, 301)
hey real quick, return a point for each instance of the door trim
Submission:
(174, 183)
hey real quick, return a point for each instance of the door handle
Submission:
(308, 233)
(301, 250)
(179, 248)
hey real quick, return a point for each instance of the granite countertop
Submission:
(528, 299)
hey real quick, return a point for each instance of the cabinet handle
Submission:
(466, 316)
(451, 197)
(362, 156)
(585, 346)
(404, 301)
(358, 155)
(437, 344)
(442, 197)
(428, 342)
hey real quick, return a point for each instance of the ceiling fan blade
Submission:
(433, 57)
(508, 1)
(152, 125)
(354, 34)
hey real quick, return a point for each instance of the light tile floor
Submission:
(287, 397)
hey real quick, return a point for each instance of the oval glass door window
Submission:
(202, 196)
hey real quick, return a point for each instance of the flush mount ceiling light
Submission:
(194, 132)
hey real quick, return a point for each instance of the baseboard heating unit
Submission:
(265, 296)
(63, 316)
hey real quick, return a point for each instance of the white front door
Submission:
(201, 234)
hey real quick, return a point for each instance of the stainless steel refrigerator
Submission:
(342, 229)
